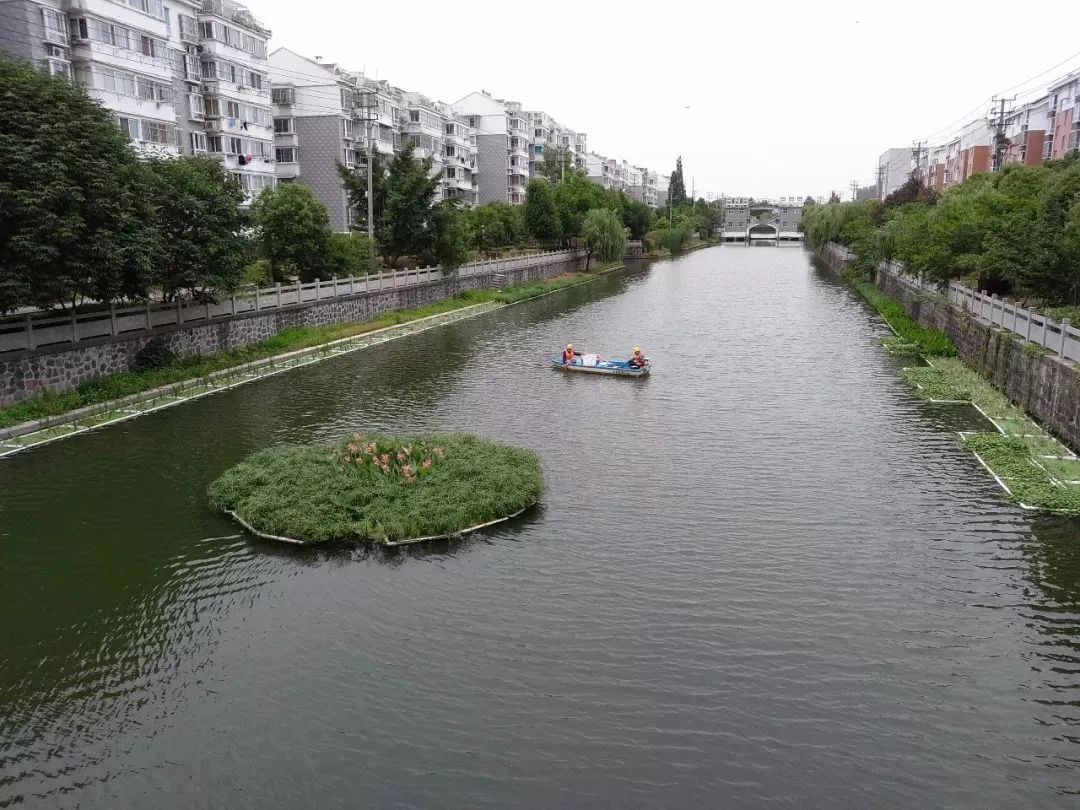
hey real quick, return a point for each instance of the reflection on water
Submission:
(765, 573)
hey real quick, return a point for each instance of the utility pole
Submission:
(999, 135)
(367, 102)
(881, 181)
(854, 190)
(916, 157)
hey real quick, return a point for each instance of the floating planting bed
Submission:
(377, 489)
(1037, 470)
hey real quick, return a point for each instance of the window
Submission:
(350, 158)
(157, 132)
(212, 108)
(213, 144)
(254, 80)
(55, 25)
(198, 142)
(474, 121)
(150, 47)
(281, 95)
(449, 129)
(283, 126)
(129, 126)
(345, 133)
(59, 68)
(235, 146)
(451, 150)
(451, 172)
(414, 116)
(538, 133)
(539, 150)
(285, 154)
(232, 109)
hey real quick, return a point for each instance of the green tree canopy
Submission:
(407, 225)
(637, 218)
(76, 206)
(556, 164)
(200, 222)
(453, 246)
(496, 225)
(294, 232)
(603, 235)
(355, 183)
(541, 218)
(677, 185)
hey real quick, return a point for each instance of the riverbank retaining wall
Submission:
(1038, 381)
(26, 374)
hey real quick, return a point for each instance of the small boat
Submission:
(615, 368)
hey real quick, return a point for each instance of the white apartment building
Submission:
(894, 168)
(644, 190)
(503, 145)
(238, 123)
(663, 185)
(321, 114)
(187, 76)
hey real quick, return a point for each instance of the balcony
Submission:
(234, 13)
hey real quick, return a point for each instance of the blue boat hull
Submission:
(612, 368)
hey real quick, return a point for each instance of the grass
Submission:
(1011, 460)
(116, 386)
(313, 494)
(931, 342)
(901, 347)
(952, 378)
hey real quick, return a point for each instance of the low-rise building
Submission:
(894, 169)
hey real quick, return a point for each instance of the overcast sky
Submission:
(763, 99)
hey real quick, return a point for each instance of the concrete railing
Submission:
(40, 329)
(1057, 336)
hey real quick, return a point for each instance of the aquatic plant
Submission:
(379, 489)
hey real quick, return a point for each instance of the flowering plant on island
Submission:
(382, 458)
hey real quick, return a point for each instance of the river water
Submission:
(764, 576)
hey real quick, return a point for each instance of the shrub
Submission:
(154, 355)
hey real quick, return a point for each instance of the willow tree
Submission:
(603, 234)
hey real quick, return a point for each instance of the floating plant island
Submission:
(378, 489)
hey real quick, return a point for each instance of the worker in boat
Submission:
(638, 360)
(569, 355)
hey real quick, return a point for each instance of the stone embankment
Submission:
(27, 373)
(1044, 385)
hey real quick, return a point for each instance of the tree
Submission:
(76, 211)
(603, 233)
(637, 217)
(677, 185)
(556, 164)
(407, 224)
(496, 225)
(355, 183)
(834, 198)
(808, 201)
(351, 254)
(294, 232)
(200, 224)
(453, 245)
(574, 198)
(541, 218)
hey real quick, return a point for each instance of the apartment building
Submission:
(503, 144)
(644, 190)
(894, 169)
(188, 77)
(663, 186)
(237, 116)
(316, 126)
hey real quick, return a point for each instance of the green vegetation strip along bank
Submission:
(931, 342)
(1035, 468)
(375, 489)
(111, 396)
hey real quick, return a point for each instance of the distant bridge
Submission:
(762, 223)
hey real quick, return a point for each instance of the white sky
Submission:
(764, 99)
